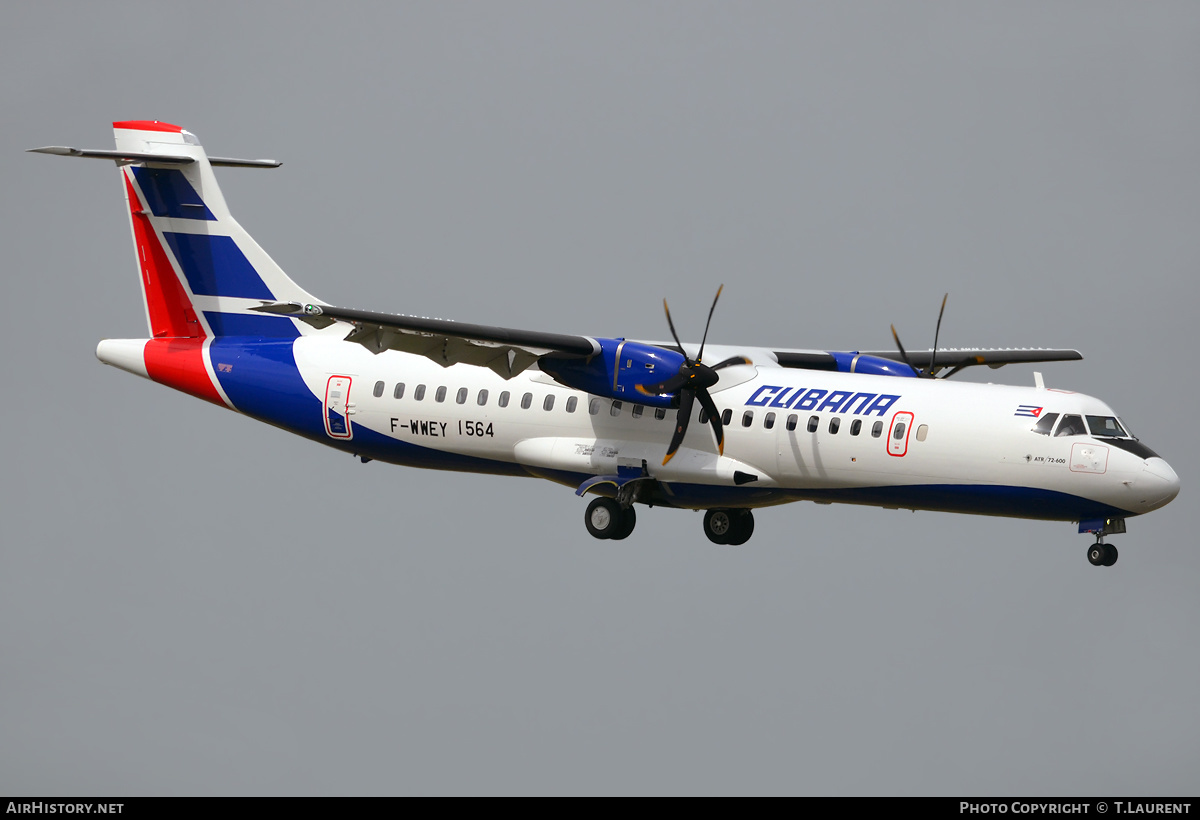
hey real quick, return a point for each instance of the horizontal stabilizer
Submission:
(132, 157)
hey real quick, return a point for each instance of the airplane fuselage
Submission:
(790, 434)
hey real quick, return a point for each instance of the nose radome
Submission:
(1161, 481)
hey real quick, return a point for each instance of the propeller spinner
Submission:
(692, 383)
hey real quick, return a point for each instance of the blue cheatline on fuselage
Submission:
(251, 325)
(262, 380)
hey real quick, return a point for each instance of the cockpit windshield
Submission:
(1071, 426)
(1045, 424)
(1106, 426)
(1109, 427)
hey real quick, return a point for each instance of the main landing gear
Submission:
(732, 527)
(605, 518)
(1101, 554)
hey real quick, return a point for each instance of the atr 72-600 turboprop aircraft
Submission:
(632, 422)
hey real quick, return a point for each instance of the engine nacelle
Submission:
(617, 370)
(871, 365)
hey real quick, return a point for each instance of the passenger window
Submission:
(420, 394)
(768, 421)
(856, 427)
(703, 416)
(594, 407)
(1106, 426)
(727, 416)
(922, 432)
(378, 391)
(813, 422)
(398, 393)
(791, 422)
(637, 411)
(747, 418)
(615, 410)
(1071, 426)
(877, 429)
(440, 395)
(461, 398)
(898, 433)
(835, 424)
(660, 413)
(572, 403)
(482, 399)
(1045, 424)
(503, 400)
(526, 401)
(548, 404)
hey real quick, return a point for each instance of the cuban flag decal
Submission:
(1028, 410)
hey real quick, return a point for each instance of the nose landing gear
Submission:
(1101, 554)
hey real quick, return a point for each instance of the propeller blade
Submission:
(937, 330)
(669, 386)
(732, 360)
(686, 399)
(903, 352)
(700, 357)
(671, 325)
(714, 418)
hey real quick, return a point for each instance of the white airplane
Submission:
(607, 416)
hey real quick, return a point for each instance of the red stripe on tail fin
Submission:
(167, 303)
(147, 125)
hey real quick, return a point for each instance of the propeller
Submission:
(692, 383)
(927, 373)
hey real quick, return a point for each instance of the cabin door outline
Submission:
(337, 406)
(897, 440)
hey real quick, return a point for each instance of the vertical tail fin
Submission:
(200, 271)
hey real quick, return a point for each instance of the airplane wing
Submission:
(509, 351)
(954, 359)
(505, 351)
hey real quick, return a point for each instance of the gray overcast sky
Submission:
(193, 603)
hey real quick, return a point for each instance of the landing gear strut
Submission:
(732, 527)
(607, 519)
